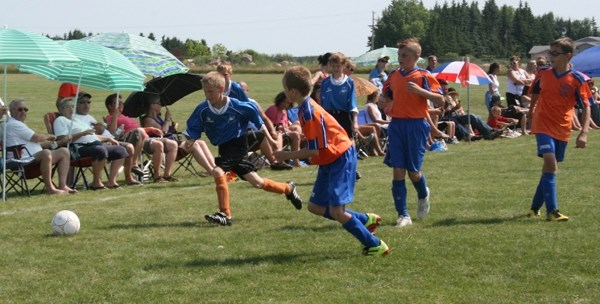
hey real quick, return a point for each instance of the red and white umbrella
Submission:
(463, 72)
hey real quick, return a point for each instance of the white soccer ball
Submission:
(65, 222)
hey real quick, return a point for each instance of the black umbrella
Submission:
(169, 89)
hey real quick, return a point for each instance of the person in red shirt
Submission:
(556, 91)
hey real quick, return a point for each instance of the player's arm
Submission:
(303, 153)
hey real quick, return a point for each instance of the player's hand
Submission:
(412, 87)
(581, 140)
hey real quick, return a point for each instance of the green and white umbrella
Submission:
(148, 55)
(370, 58)
(23, 47)
(100, 68)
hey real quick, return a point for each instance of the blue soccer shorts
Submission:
(335, 182)
(407, 143)
(547, 144)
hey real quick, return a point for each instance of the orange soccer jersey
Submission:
(558, 96)
(407, 104)
(322, 132)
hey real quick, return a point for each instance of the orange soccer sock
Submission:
(275, 187)
(223, 194)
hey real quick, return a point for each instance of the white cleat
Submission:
(423, 206)
(403, 221)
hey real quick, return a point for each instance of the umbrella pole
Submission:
(4, 119)
(469, 107)
(73, 117)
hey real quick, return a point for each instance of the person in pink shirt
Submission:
(128, 129)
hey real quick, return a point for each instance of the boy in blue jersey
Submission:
(329, 147)
(338, 96)
(225, 121)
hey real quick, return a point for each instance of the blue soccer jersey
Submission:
(338, 96)
(222, 125)
(236, 91)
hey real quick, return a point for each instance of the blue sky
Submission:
(301, 28)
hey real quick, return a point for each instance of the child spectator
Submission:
(497, 121)
(225, 121)
(329, 146)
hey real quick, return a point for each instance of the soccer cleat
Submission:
(218, 218)
(381, 250)
(556, 216)
(533, 213)
(403, 221)
(423, 206)
(293, 196)
(373, 222)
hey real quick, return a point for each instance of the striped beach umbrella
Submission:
(149, 56)
(23, 47)
(100, 68)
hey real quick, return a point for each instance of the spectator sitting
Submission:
(43, 148)
(153, 119)
(87, 143)
(277, 113)
(516, 112)
(497, 121)
(132, 133)
(84, 104)
(454, 111)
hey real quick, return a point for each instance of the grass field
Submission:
(151, 245)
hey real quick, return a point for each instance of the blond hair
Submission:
(214, 80)
(225, 68)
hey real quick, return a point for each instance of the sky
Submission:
(299, 28)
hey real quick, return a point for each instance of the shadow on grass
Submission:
(233, 261)
(152, 225)
(480, 221)
(313, 228)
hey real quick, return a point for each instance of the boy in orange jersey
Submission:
(329, 147)
(556, 91)
(409, 87)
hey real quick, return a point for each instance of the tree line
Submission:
(462, 29)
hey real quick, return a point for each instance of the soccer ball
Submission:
(65, 222)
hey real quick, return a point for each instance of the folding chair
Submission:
(20, 167)
(80, 165)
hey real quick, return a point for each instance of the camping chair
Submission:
(20, 167)
(79, 165)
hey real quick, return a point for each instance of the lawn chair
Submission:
(20, 167)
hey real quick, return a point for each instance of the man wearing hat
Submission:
(378, 75)
(82, 110)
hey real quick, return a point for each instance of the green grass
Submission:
(151, 244)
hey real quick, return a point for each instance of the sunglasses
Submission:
(23, 110)
(555, 53)
(84, 102)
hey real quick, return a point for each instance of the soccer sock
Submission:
(399, 193)
(538, 197)
(421, 187)
(223, 194)
(360, 232)
(362, 217)
(549, 189)
(275, 187)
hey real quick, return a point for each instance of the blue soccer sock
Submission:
(538, 197)
(362, 217)
(421, 187)
(549, 189)
(360, 232)
(399, 193)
